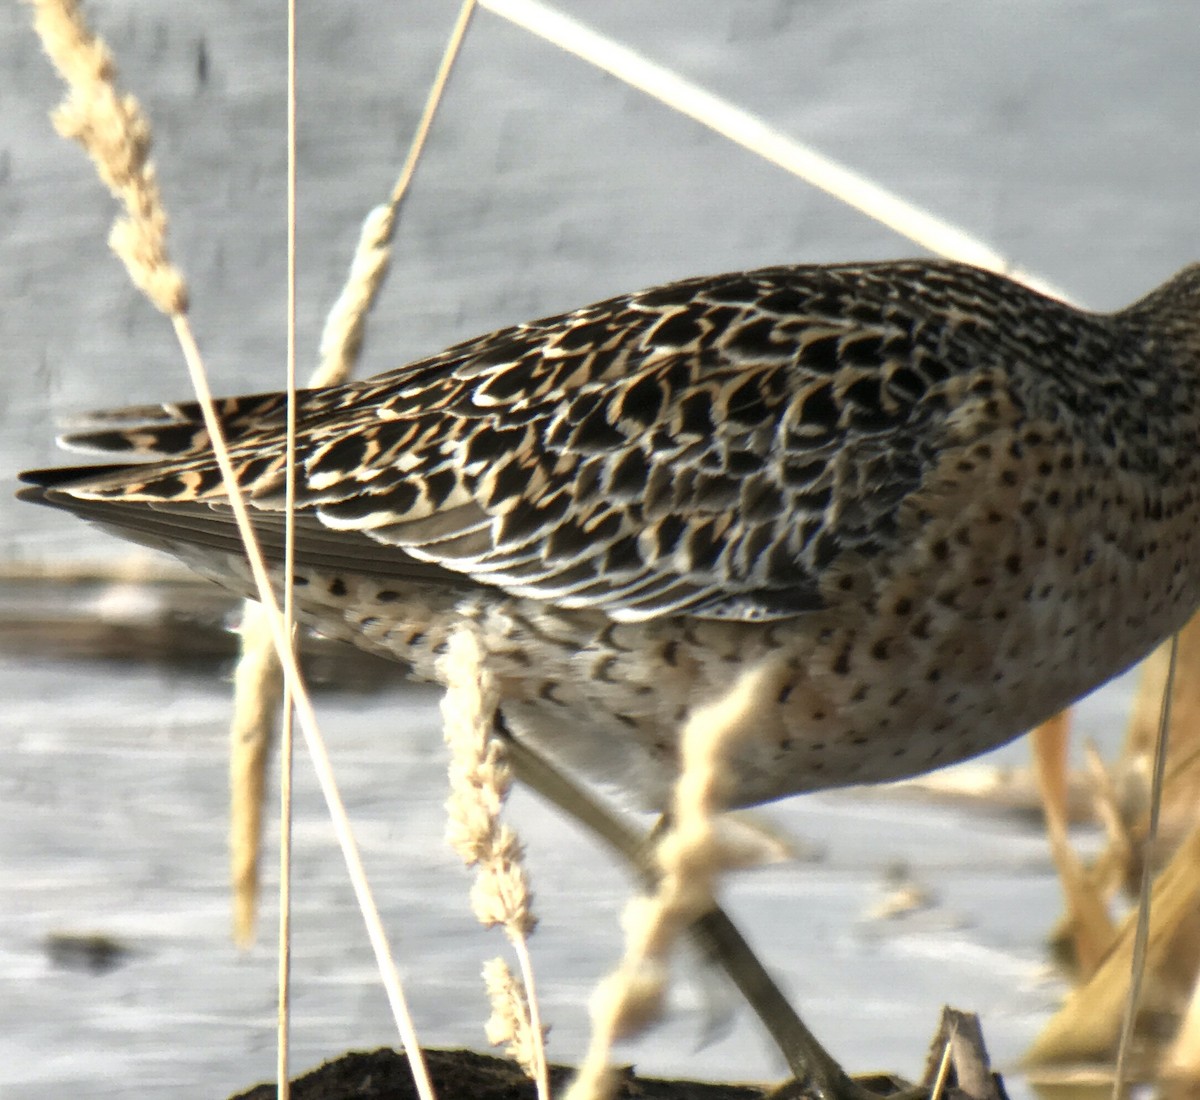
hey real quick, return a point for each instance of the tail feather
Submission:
(55, 477)
(173, 430)
(200, 533)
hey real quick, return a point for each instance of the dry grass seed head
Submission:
(690, 857)
(508, 1025)
(116, 135)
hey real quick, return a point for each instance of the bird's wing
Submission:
(709, 447)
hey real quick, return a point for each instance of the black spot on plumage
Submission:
(872, 419)
(908, 382)
(743, 463)
(863, 351)
(500, 351)
(521, 522)
(821, 355)
(393, 433)
(866, 393)
(586, 402)
(696, 414)
(825, 550)
(397, 501)
(594, 433)
(567, 540)
(623, 556)
(712, 492)
(604, 360)
(864, 312)
(577, 576)
(819, 410)
(668, 534)
(815, 500)
(754, 338)
(934, 369)
(558, 434)
(585, 334)
(169, 487)
(791, 598)
(762, 500)
(603, 524)
(798, 473)
(784, 300)
(676, 330)
(507, 482)
(506, 385)
(703, 548)
(642, 402)
(720, 318)
(677, 377)
(254, 469)
(756, 542)
(781, 564)
(746, 404)
(810, 529)
(629, 474)
(674, 294)
(736, 291)
(439, 485)
(826, 304)
(486, 444)
(344, 455)
(554, 508)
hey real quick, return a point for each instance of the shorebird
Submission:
(941, 505)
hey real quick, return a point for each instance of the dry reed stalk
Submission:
(1114, 868)
(1181, 797)
(1124, 801)
(1088, 1024)
(116, 135)
(1182, 1061)
(342, 337)
(753, 133)
(690, 858)
(258, 690)
(480, 780)
(1089, 925)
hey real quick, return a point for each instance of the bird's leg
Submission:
(817, 1073)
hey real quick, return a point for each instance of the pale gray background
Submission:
(1062, 132)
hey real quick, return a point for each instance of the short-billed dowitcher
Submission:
(942, 505)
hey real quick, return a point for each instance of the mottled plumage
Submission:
(941, 505)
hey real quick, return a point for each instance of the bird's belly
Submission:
(933, 671)
(939, 669)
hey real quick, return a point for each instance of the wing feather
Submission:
(706, 448)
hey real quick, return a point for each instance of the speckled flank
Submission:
(941, 505)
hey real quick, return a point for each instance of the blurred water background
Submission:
(1063, 133)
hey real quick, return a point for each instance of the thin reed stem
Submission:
(345, 327)
(1142, 934)
(759, 137)
(286, 735)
